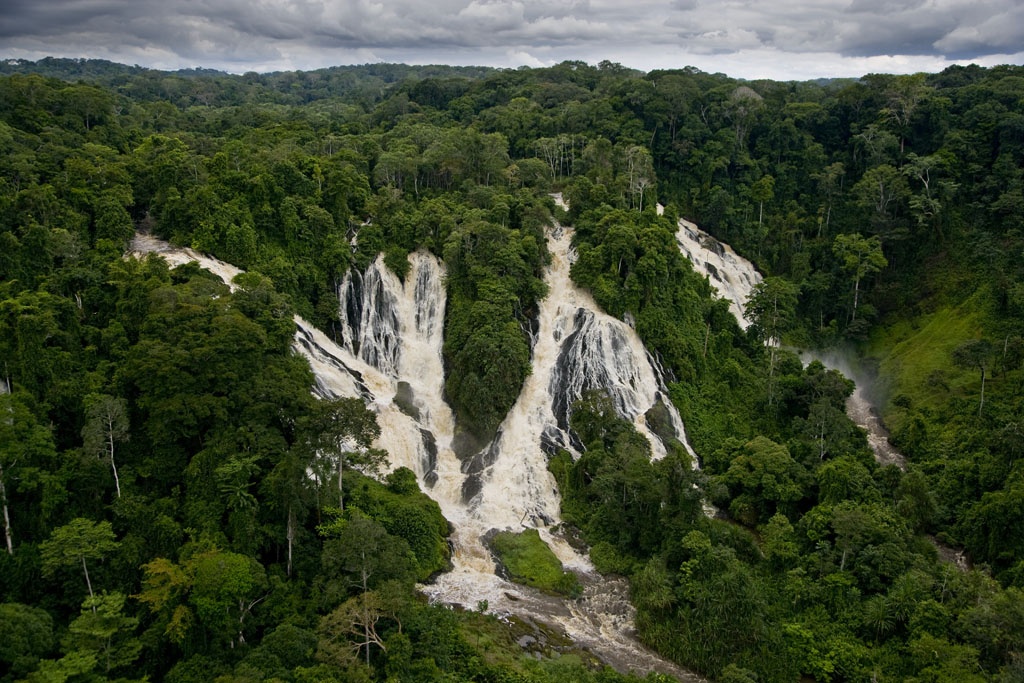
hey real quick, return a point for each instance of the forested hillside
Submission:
(160, 521)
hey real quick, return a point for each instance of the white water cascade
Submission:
(397, 329)
(391, 357)
(732, 275)
(577, 347)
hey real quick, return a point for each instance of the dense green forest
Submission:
(159, 520)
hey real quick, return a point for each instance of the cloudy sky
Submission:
(780, 39)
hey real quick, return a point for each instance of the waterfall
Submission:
(396, 329)
(732, 275)
(390, 356)
(578, 347)
(412, 415)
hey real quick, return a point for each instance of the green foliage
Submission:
(771, 308)
(406, 513)
(26, 634)
(918, 356)
(104, 631)
(529, 560)
(106, 425)
(903, 189)
(762, 480)
(859, 257)
(716, 593)
(401, 518)
(74, 544)
(615, 494)
(212, 592)
(341, 432)
(778, 542)
(494, 283)
(608, 560)
(360, 555)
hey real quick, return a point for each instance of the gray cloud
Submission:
(782, 39)
(1000, 31)
(861, 28)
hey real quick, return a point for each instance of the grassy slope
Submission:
(915, 358)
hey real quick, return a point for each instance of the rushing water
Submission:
(577, 347)
(859, 405)
(732, 275)
(390, 357)
(397, 370)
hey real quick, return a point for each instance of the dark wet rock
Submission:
(405, 400)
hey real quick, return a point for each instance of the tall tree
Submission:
(771, 310)
(905, 93)
(342, 431)
(829, 185)
(859, 256)
(881, 194)
(215, 588)
(104, 631)
(106, 424)
(25, 445)
(763, 190)
(356, 618)
(76, 542)
(367, 556)
(975, 354)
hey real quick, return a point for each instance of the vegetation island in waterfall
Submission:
(177, 504)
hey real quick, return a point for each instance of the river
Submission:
(734, 277)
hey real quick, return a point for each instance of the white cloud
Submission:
(523, 58)
(569, 30)
(720, 41)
